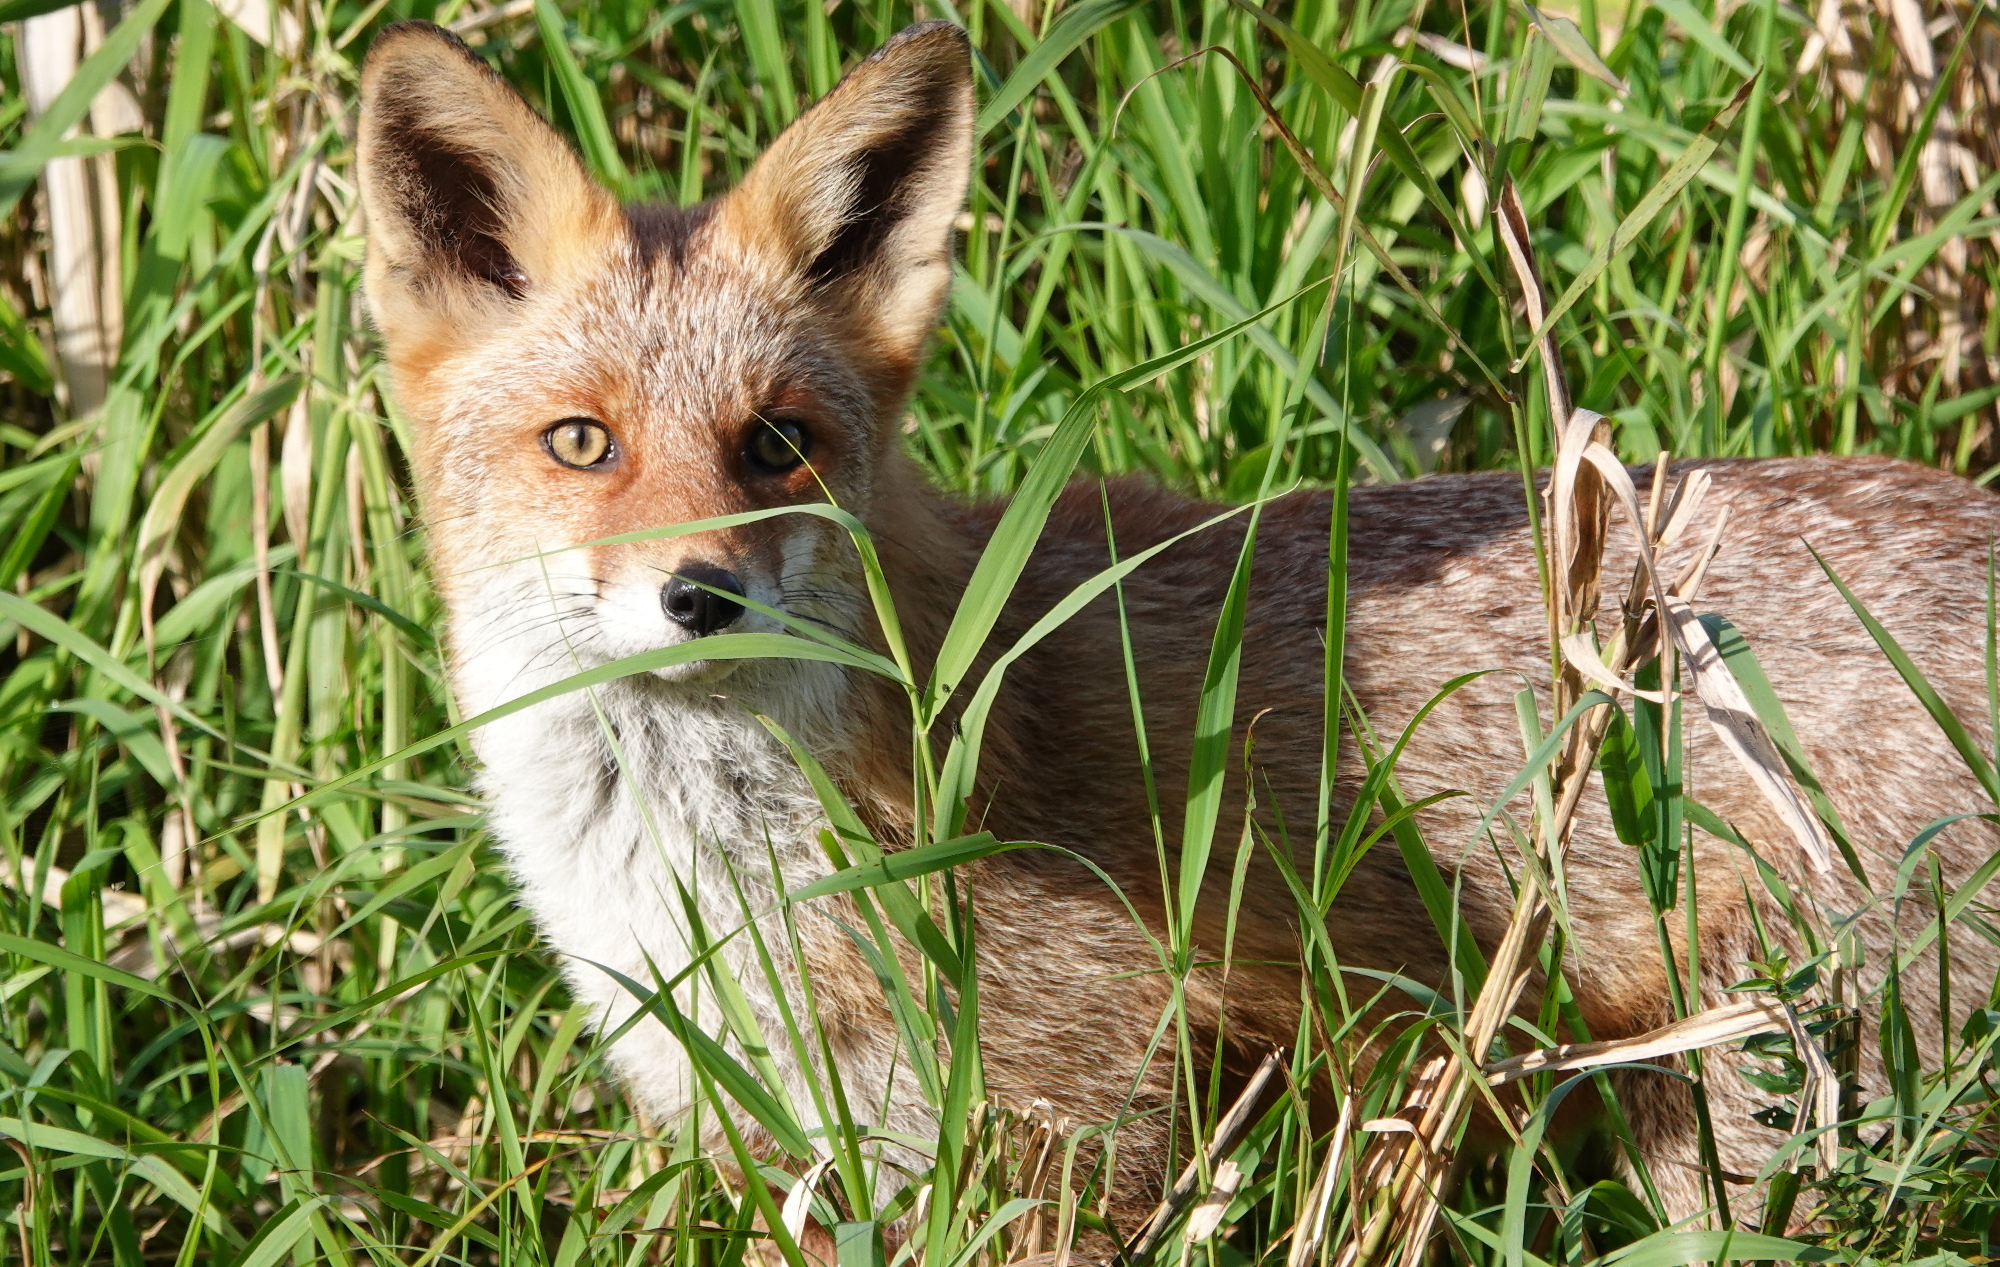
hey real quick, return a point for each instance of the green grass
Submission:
(235, 1035)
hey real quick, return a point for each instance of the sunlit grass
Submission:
(237, 1035)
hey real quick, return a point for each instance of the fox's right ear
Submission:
(473, 202)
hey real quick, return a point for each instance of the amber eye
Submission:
(780, 445)
(580, 442)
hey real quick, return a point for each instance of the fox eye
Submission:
(580, 443)
(780, 445)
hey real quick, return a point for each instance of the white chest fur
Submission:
(645, 820)
(640, 827)
(641, 823)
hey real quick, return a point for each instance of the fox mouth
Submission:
(611, 644)
(696, 672)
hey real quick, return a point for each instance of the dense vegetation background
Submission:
(325, 1034)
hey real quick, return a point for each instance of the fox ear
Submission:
(858, 196)
(472, 200)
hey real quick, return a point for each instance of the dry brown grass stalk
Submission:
(1889, 61)
(1227, 1134)
(82, 210)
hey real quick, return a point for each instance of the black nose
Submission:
(694, 608)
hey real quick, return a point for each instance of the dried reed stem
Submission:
(1577, 529)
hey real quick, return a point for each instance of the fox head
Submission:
(576, 369)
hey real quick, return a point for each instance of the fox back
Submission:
(579, 373)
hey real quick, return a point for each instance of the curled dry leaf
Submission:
(1578, 646)
(1310, 1231)
(1688, 497)
(1570, 454)
(1688, 584)
(1735, 723)
(1820, 1096)
(1728, 710)
(798, 1202)
(1581, 652)
(1732, 1022)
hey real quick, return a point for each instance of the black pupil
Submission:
(780, 445)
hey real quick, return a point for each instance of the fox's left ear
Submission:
(857, 198)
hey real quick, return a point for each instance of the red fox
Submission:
(576, 369)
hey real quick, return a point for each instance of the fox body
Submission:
(578, 370)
